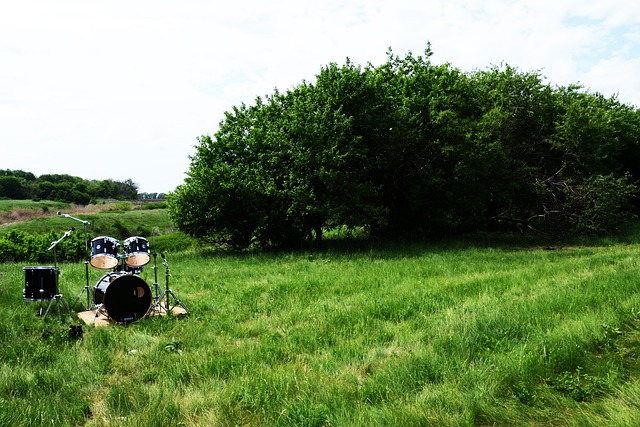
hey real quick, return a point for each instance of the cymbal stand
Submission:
(168, 292)
(58, 298)
(155, 307)
(156, 285)
(86, 287)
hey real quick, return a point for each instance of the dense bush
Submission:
(412, 149)
(17, 246)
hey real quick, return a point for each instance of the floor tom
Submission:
(40, 283)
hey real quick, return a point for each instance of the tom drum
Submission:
(136, 249)
(104, 252)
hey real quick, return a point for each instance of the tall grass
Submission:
(452, 334)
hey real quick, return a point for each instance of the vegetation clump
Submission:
(409, 148)
(21, 185)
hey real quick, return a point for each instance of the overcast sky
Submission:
(121, 89)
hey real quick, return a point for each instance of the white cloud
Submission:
(122, 89)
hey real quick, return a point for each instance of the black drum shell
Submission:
(125, 297)
(137, 251)
(104, 252)
(38, 278)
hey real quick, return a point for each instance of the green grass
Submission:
(456, 334)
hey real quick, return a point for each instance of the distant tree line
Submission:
(17, 184)
(410, 148)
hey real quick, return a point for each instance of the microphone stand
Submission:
(58, 298)
(86, 287)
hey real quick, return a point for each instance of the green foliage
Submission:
(579, 385)
(16, 246)
(412, 149)
(20, 185)
(13, 187)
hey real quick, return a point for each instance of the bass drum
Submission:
(125, 297)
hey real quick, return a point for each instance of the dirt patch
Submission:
(21, 214)
(24, 214)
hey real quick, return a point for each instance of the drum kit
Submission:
(121, 294)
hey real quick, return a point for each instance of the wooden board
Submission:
(99, 318)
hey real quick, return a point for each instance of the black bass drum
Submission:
(125, 297)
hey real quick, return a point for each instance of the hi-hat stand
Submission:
(167, 293)
(86, 287)
(58, 298)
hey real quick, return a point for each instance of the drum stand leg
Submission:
(168, 307)
(100, 310)
(58, 299)
(166, 294)
(86, 288)
(156, 285)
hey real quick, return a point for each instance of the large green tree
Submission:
(411, 148)
(13, 187)
(276, 173)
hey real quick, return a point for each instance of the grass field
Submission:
(475, 331)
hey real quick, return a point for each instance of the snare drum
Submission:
(40, 283)
(104, 252)
(137, 251)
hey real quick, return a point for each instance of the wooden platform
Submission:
(90, 318)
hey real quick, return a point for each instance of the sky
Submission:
(122, 89)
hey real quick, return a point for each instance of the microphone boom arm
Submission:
(74, 218)
(64, 236)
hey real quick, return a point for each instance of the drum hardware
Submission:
(57, 298)
(86, 287)
(124, 268)
(156, 285)
(54, 244)
(167, 293)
